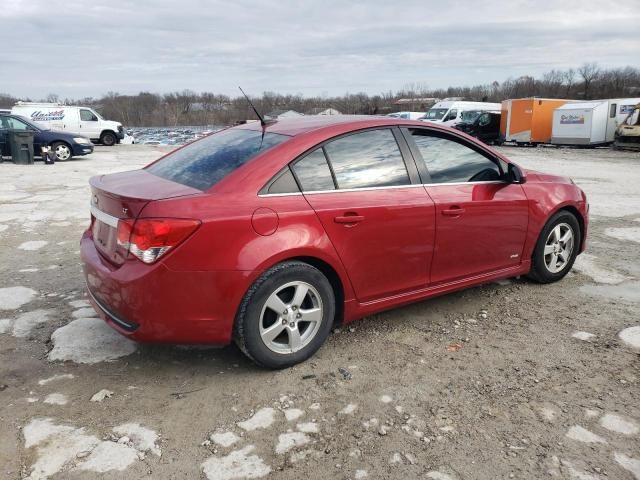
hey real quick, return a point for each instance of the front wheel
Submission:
(556, 249)
(108, 139)
(286, 315)
(62, 151)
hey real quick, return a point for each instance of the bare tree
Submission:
(589, 72)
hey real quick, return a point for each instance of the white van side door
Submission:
(89, 123)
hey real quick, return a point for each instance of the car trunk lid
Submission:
(122, 196)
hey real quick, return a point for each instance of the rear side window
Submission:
(313, 172)
(449, 161)
(204, 163)
(368, 159)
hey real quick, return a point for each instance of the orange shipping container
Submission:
(528, 120)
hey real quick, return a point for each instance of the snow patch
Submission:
(628, 463)
(583, 435)
(619, 424)
(308, 427)
(287, 441)
(32, 245)
(12, 298)
(625, 234)
(56, 399)
(5, 325)
(224, 439)
(89, 340)
(361, 474)
(631, 337)
(584, 336)
(144, 439)
(263, 418)
(238, 464)
(386, 399)
(349, 409)
(586, 264)
(55, 378)
(292, 414)
(25, 323)
(86, 312)
(109, 456)
(58, 445)
(435, 475)
(80, 303)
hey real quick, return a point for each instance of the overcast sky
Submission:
(86, 48)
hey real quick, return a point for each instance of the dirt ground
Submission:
(507, 380)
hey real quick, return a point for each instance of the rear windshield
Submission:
(204, 163)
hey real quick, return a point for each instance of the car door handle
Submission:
(453, 211)
(348, 219)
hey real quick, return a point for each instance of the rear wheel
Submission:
(108, 139)
(286, 315)
(556, 249)
(62, 151)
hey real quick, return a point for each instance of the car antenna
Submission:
(263, 122)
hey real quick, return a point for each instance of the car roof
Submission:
(300, 125)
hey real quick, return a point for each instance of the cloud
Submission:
(78, 48)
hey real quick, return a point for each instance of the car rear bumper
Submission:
(152, 303)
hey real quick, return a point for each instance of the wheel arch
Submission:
(576, 213)
(334, 279)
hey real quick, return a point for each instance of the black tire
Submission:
(108, 139)
(540, 272)
(247, 324)
(62, 151)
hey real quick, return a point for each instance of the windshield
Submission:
(470, 115)
(205, 162)
(435, 114)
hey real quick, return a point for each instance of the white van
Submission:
(83, 121)
(449, 112)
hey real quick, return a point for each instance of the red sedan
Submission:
(271, 235)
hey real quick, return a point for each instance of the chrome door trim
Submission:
(104, 217)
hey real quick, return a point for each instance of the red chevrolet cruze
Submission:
(269, 235)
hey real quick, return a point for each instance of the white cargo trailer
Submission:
(583, 123)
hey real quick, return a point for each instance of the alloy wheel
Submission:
(558, 248)
(63, 152)
(291, 317)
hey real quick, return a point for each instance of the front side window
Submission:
(205, 162)
(367, 159)
(313, 172)
(449, 161)
(451, 115)
(612, 110)
(87, 116)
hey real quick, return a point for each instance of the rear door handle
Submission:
(349, 219)
(453, 211)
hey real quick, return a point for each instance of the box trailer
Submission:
(528, 120)
(591, 122)
(584, 123)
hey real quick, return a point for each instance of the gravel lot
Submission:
(507, 380)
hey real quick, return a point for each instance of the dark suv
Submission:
(64, 145)
(485, 126)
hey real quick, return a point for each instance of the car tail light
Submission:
(150, 238)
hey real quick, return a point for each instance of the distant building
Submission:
(278, 114)
(324, 111)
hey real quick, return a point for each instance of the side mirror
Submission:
(515, 175)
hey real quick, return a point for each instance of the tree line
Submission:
(190, 108)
